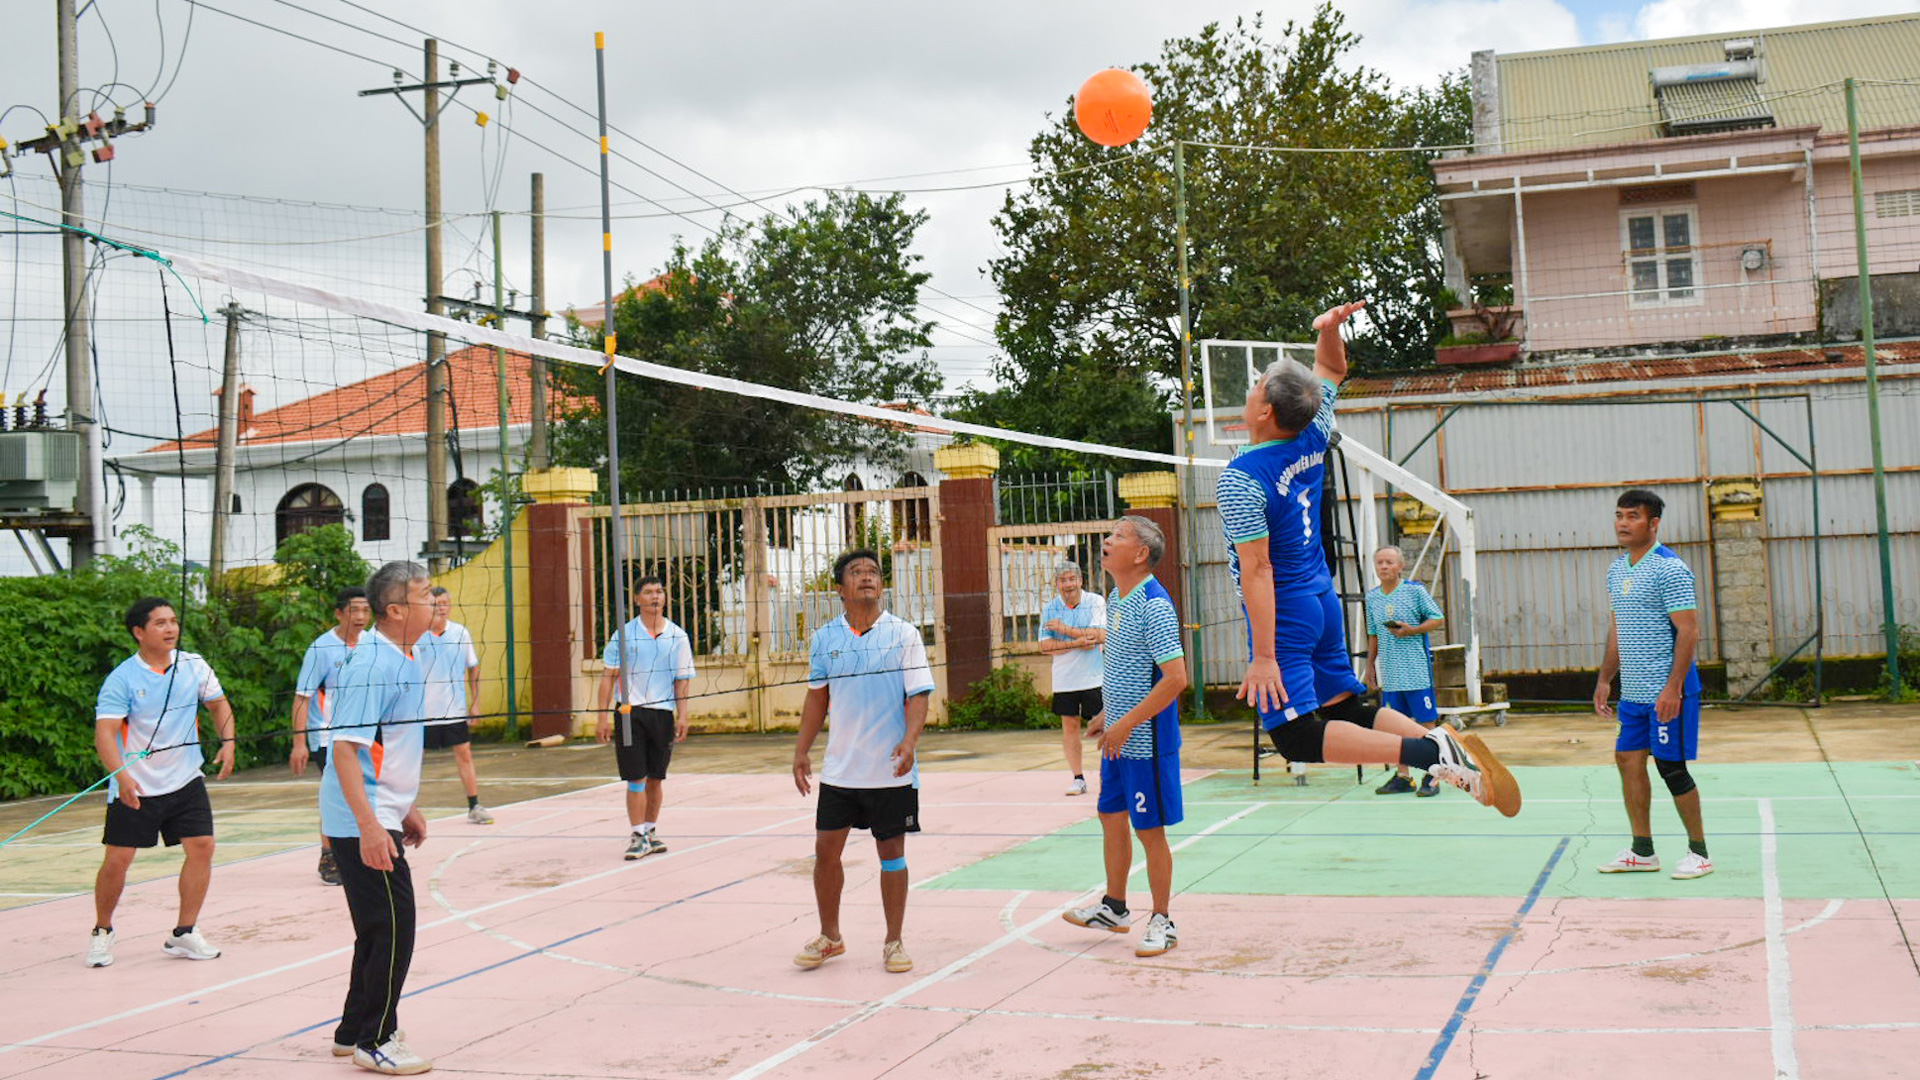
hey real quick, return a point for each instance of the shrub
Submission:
(1005, 698)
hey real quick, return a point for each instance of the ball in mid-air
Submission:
(1113, 107)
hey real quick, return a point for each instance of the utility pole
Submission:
(537, 458)
(223, 450)
(507, 507)
(1891, 621)
(429, 117)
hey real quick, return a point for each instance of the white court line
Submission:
(6, 1048)
(1004, 940)
(1786, 1060)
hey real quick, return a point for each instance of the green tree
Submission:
(821, 300)
(1089, 278)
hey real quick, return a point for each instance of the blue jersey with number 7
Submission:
(1271, 492)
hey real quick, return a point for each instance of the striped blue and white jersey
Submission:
(1143, 632)
(1645, 595)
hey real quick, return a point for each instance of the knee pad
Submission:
(637, 786)
(1352, 710)
(1301, 739)
(1679, 781)
(890, 866)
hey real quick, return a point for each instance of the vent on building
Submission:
(1888, 204)
(1699, 98)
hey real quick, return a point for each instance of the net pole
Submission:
(617, 540)
(1188, 524)
(1890, 617)
(506, 488)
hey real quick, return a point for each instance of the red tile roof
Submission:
(391, 404)
(596, 313)
(1829, 358)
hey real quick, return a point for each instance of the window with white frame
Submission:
(1660, 246)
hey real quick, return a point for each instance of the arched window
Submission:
(466, 517)
(305, 508)
(913, 518)
(853, 517)
(376, 513)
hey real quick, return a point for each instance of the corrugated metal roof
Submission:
(1601, 95)
(1592, 374)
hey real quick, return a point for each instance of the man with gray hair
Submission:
(1300, 677)
(368, 811)
(1072, 629)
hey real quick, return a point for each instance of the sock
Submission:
(1080, 777)
(182, 931)
(639, 830)
(1119, 906)
(1421, 753)
(1643, 846)
(1698, 847)
(108, 929)
(473, 801)
(646, 826)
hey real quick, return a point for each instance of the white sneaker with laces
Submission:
(190, 945)
(1693, 866)
(1078, 786)
(347, 1049)
(477, 815)
(100, 948)
(1628, 863)
(1160, 936)
(1099, 917)
(1467, 763)
(392, 1058)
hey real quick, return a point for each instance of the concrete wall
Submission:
(1896, 307)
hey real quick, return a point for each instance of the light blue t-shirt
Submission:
(1405, 663)
(1271, 492)
(1143, 632)
(378, 696)
(869, 677)
(317, 668)
(654, 662)
(1075, 669)
(444, 660)
(159, 711)
(1645, 595)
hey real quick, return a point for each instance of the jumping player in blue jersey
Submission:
(1655, 628)
(1300, 677)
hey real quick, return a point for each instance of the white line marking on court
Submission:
(1786, 1061)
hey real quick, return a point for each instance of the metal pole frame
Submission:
(617, 544)
(1188, 527)
(506, 491)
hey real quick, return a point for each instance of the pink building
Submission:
(1687, 195)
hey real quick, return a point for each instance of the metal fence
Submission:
(1048, 497)
(1020, 575)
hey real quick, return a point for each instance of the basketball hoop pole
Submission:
(1188, 535)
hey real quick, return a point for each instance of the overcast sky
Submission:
(759, 96)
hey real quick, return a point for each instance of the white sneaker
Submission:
(393, 1058)
(1099, 917)
(347, 1049)
(1693, 866)
(1078, 786)
(1628, 863)
(1160, 936)
(1467, 763)
(190, 945)
(100, 948)
(477, 815)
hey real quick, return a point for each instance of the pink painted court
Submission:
(1324, 932)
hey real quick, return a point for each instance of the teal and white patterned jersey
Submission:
(1645, 595)
(1143, 632)
(1404, 663)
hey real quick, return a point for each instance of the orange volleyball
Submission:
(1113, 107)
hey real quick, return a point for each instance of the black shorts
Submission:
(1084, 704)
(448, 734)
(175, 816)
(887, 812)
(645, 756)
(318, 759)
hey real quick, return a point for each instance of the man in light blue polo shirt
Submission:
(1400, 614)
(868, 679)
(654, 675)
(1072, 627)
(311, 713)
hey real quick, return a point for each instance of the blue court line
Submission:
(1467, 999)
(568, 940)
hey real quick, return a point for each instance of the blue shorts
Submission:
(1310, 644)
(1148, 789)
(1417, 704)
(1676, 740)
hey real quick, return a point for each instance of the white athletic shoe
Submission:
(1693, 866)
(638, 846)
(393, 1058)
(1078, 786)
(190, 945)
(1467, 763)
(100, 948)
(1099, 917)
(477, 815)
(1160, 936)
(655, 845)
(347, 1049)
(1628, 863)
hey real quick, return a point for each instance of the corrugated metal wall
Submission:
(1542, 477)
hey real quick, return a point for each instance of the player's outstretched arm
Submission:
(1263, 687)
(1329, 351)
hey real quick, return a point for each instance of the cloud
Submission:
(1681, 18)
